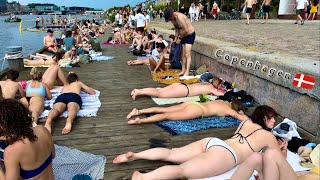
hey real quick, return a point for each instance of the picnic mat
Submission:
(90, 105)
(163, 101)
(111, 43)
(44, 65)
(70, 162)
(177, 127)
(101, 58)
(292, 158)
(170, 76)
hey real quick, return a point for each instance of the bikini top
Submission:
(33, 173)
(244, 138)
(39, 90)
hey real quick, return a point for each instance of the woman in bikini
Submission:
(43, 59)
(35, 93)
(30, 149)
(211, 156)
(189, 110)
(181, 90)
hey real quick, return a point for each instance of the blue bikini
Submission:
(33, 173)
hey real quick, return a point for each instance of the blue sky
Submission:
(104, 4)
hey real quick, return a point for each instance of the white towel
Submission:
(90, 105)
(189, 77)
(163, 101)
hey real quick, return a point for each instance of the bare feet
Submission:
(135, 121)
(186, 74)
(136, 176)
(134, 112)
(67, 128)
(180, 74)
(48, 126)
(130, 63)
(131, 46)
(123, 158)
(134, 94)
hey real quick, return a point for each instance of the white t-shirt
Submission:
(120, 19)
(140, 20)
(117, 17)
(301, 4)
(131, 17)
(155, 54)
(147, 17)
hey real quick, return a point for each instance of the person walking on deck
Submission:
(186, 32)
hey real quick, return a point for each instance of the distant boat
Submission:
(12, 20)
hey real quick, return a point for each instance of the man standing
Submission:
(300, 6)
(140, 22)
(266, 9)
(186, 32)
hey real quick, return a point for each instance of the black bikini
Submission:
(187, 88)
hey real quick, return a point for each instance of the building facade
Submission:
(41, 7)
(13, 6)
(3, 6)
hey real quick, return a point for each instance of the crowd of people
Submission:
(30, 150)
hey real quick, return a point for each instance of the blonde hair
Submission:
(35, 74)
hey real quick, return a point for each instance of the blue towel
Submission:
(188, 126)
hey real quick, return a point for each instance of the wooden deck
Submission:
(109, 134)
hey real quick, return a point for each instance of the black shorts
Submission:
(69, 97)
(266, 8)
(248, 10)
(189, 39)
(308, 9)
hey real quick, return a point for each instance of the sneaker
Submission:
(296, 23)
(302, 22)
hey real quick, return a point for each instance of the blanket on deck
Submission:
(163, 101)
(70, 162)
(90, 105)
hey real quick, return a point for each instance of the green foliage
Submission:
(112, 17)
(157, 8)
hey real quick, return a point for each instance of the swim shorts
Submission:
(189, 39)
(248, 10)
(69, 97)
(266, 8)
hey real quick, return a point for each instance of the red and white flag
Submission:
(303, 81)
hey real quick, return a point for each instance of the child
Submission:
(155, 57)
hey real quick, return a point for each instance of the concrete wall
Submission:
(267, 77)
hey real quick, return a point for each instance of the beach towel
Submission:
(101, 58)
(163, 101)
(116, 43)
(90, 105)
(170, 76)
(44, 65)
(71, 162)
(187, 126)
(292, 158)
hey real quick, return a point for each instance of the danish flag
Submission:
(303, 81)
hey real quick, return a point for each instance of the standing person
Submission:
(30, 149)
(196, 12)
(214, 10)
(266, 9)
(300, 6)
(307, 12)
(192, 12)
(205, 10)
(37, 22)
(147, 20)
(248, 6)
(314, 9)
(186, 32)
(140, 22)
(131, 21)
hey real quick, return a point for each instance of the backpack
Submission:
(175, 53)
(85, 58)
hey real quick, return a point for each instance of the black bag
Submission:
(138, 52)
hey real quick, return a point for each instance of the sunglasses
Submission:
(73, 50)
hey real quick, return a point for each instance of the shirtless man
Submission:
(184, 30)
(50, 42)
(266, 9)
(10, 87)
(188, 111)
(248, 4)
(69, 100)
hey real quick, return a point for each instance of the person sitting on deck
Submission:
(30, 149)
(10, 87)
(155, 64)
(35, 93)
(188, 111)
(69, 41)
(69, 100)
(211, 156)
(45, 60)
(94, 42)
(50, 42)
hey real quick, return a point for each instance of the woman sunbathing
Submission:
(52, 74)
(189, 110)
(272, 164)
(30, 149)
(35, 93)
(211, 156)
(43, 60)
(180, 90)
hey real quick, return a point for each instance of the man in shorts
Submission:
(266, 9)
(300, 6)
(186, 32)
(248, 4)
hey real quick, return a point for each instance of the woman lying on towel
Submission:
(69, 100)
(30, 149)
(43, 59)
(272, 164)
(182, 90)
(35, 93)
(189, 110)
(52, 74)
(211, 156)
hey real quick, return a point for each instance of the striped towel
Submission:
(70, 162)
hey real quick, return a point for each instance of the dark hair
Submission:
(172, 36)
(262, 112)
(160, 45)
(160, 36)
(138, 10)
(58, 55)
(72, 77)
(315, 2)
(49, 31)
(150, 37)
(12, 74)
(15, 122)
(1, 95)
(237, 106)
(167, 14)
(68, 33)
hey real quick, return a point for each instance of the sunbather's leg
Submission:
(38, 62)
(36, 107)
(188, 112)
(245, 170)
(175, 155)
(139, 62)
(72, 108)
(171, 91)
(52, 74)
(57, 110)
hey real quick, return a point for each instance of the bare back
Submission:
(76, 87)
(203, 88)
(10, 88)
(249, 3)
(182, 23)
